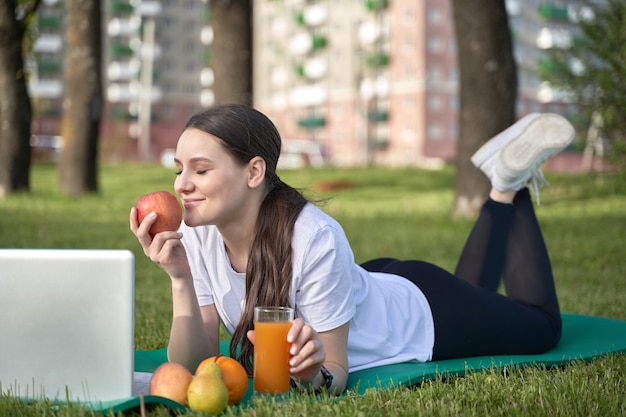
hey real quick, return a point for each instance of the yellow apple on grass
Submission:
(171, 380)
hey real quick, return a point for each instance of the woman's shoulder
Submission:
(314, 216)
(316, 228)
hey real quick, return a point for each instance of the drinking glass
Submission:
(271, 349)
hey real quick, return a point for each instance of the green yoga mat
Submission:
(584, 338)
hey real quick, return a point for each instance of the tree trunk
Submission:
(82, 105)
(231, 51)
(488, 91)
(15, 105)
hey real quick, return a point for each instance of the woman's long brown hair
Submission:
(246, 133)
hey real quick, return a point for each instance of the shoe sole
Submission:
(548, 133)
(495, 144)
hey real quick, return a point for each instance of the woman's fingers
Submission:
(141, 231)
(307, 349)
(165, 248)
(304, 340)
(250, 335)
(134, 222)
(294, 332)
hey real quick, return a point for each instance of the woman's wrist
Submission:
(179, 284)
(321, 382)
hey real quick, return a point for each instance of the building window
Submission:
(167, 23)
(408, 134)
(453, 102)
(453, 74)
(435, 44)
(408, 46)
(433, 15)
(166, 112)
(434, 102)
(452, 47)
(190, 46)
(453, 131)
(434, 132)
(409, 16)
(434, 72)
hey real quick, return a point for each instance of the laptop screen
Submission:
(66, 324)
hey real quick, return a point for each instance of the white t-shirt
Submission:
(390, 319)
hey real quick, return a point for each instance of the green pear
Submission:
(207, 392)
(210, 368)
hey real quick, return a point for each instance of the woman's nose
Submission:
(182, 184)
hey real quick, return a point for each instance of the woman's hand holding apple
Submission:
(155, 221)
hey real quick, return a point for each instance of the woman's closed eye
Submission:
(198, 172)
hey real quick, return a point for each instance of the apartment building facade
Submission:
(347, 82)
(376, 81)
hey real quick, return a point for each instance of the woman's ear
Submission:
(256, 172)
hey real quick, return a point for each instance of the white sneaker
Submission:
(513, 159)
(486, 158)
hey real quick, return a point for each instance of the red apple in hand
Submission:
(166, 206)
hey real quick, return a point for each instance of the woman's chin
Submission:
(193, 221)
(190, 221)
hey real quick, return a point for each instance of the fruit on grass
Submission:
(171, 380)
(167, 207)
(234, 376)
(207, 392)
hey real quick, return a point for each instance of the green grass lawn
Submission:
(388, 212)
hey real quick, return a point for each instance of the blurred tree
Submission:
(231, 50)
(15, 105)
(592, 68)
(488, 91)
(82, 105)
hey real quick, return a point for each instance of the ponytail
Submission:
(269, 270)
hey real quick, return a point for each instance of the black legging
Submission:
(471, 317)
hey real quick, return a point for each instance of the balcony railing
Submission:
(119, 6)
(551, 12)
(376, 5)
(377, 60)
(378, 115)
(48, 22)
(312, 122)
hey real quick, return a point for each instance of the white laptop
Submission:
(67, 324)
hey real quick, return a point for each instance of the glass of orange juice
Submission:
(271, 349)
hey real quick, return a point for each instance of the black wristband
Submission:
(328, 381)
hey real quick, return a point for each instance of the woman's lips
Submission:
(188, 203)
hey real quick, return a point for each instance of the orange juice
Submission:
(271, 357)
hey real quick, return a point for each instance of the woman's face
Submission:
(211, 184)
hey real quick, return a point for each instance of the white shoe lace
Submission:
(537, 181)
